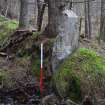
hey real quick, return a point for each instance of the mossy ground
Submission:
(77, 76)
(80, 74)
(6, 28)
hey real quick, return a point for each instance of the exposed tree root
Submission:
(15, 41)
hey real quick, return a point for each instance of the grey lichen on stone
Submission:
(67, 38)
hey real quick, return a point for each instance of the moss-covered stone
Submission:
(80, 74)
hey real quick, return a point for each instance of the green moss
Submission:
(2, 19)
(6, 28)
(79, 74)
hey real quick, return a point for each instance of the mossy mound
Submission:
(6, 28)
(81, 74)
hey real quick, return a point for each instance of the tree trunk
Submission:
(87, 19)
(18, 37)
(63, 26)
(24, 20)
(41, 8)
(102, 24)
(27, 14)
(55, 9)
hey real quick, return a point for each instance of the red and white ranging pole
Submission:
(41, 71)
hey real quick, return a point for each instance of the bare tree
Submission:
(102, 24)
(15, 40)
(24, 20)
(55, 9)
(87, 19)
(4, 8)
(41, 7)
(26, 14)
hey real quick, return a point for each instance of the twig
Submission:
(3, 54)
(25, 30)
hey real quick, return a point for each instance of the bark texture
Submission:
(24, 21)
(41, 8)
(55, 16)
(87, 19)
(102, 27)
(26, 17)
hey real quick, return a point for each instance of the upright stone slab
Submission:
(67, 39)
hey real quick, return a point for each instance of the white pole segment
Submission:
(41, 55)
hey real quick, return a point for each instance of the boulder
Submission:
(81, 74)
(67, 38)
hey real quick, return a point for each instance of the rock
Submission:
(87, 101)
(67, 39)
(81, 74)
(34, 100)
(9, 101)
(68, 102)
(50, 100)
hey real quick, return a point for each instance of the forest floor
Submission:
(16, 73)
(93, 44)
